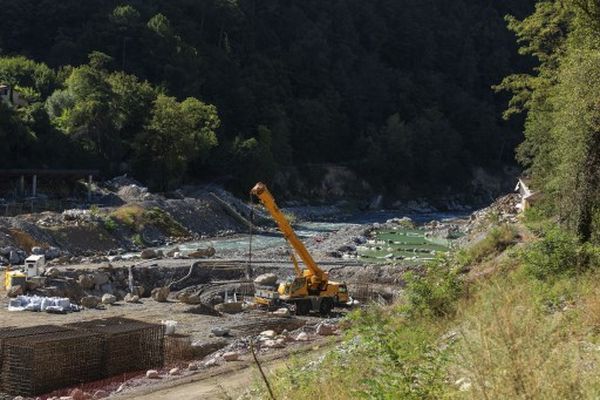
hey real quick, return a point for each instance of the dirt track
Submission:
(226, 382)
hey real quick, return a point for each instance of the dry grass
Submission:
(514, 338)
(519, 341)
(130, 215)
(136, 218)
(24, 240)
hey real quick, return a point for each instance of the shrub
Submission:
(130, 215)
(110, 224)
(557, 253)
(435, 292)
(497, 240)
(138, 240)
(163, 221)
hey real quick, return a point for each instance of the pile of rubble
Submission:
(270, 339)
(504, 210)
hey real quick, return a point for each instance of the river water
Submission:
(308, 229)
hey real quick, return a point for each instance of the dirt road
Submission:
(228, 382)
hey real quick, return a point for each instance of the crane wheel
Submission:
(326, 306)
(303, 307)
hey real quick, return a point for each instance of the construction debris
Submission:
(231, 356)
(152, 374)
(160, 294)
(36, 303)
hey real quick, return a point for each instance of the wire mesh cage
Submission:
(47, 361)
(130, 345)
(178, 348)
(12, 333)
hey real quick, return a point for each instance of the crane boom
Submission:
(260, 190)
(311, 289)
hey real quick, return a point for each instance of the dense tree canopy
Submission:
(562, 101)
(399, 90)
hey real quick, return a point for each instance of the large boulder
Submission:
(5, 251)
(270, 334)
(231, 356)
(282, 312)
(138, 291)
(202, 253)
(15, 258)
(230, 308)
(325, 329)
(171, 253)
(189, 298)
(148, 254)
(152, 374)
(90, 301)
(52, 272)
(131, 298)
(109, 299)
(86, 281)
(266, 279)
(220, 331)
(52, 253)
(37, 250)
(160, 294)
(101, 278)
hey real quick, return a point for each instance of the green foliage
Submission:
(27, 75)
(254, 159)
(434, 292)
(176, 133)
(110, 224)
(562, 140)
(125, 15)
(400, 91)
(413, 366)
(137, 240)
(498, 239)
(136, 218)
(94, 210)
(558, 253)
(164, 222)
(382, 357)
(508, 336)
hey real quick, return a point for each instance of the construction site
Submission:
(121, 301)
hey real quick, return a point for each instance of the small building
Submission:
(34, 265)
(5, 93)
(528, 196)
(11, 97)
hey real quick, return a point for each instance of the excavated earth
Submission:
(89, 247)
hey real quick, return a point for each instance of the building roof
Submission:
(35, 257)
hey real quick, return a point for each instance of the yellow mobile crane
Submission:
(310, 289)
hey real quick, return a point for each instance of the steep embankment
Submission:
(136, 219)
(514, 314)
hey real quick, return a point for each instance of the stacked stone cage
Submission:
(130, 345)
(8, 333)
(178, 348)
(47, 361)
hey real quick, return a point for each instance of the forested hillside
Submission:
(512, 314)
(561, 150)
(168, 90)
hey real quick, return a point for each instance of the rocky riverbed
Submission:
(188, 260)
